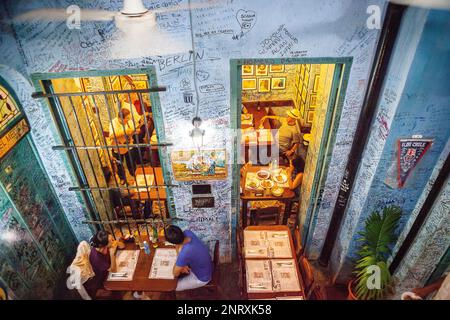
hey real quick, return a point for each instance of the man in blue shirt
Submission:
(194, 260)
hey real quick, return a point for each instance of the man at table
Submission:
(289, 137)
(194, 260)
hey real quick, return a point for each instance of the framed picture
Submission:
(248, 69)
(276, 68)
(312, 101)
(304, 95)
(278, 83)
(316, 83)
(191, 165)
(310, 117)
(249, 84)
(306, 78)
(261, 70)
(302, 109)
(264, 85)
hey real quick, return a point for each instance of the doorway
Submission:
(286, 113)
(111, 127)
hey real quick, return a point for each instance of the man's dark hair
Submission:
(174, 234)
(100, 239)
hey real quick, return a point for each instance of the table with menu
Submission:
(271, 267)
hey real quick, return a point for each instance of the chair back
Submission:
(216, 262)
(307, 274)
(298, 243)
(261, 215)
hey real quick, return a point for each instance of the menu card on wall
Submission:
(267, 244)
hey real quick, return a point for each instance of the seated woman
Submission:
(295, 173)
(193, 260)
(103, 259)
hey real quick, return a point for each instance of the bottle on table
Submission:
(155, 237)
(146, 248)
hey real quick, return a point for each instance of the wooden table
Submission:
(249, 195)
(141, 281)
(271, 295)
(152, 193)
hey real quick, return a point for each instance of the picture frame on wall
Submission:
(248, 69)
(316, 83)
(276, 68)
(310, 117)
(262, 70)
(249, 84)
(279, 83)
(302, 110)
(264, 85)
(312, 101)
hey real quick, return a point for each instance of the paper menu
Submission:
(276, 275)
(126, 261)
(267, 244)
(142, 178)
(259, 276)
(285, 277)
(163, 262)
(255, 244)
(279, 244)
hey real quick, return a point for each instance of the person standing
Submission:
(120, 132)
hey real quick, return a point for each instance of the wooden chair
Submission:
(298, 243)
(241, 264)
(265, 216)
(317, 293)
(307, 274)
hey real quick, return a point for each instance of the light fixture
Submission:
(196, 133)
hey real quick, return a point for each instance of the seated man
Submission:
(193, 260)
(289, 137)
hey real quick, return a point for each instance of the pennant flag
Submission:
(410, 151)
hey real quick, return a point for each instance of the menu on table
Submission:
(267, 244)
(141, 180)
(126, 261)
(163, 262)
(284, 273)
(278, 275)
(259, 276)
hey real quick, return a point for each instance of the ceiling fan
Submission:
(134, 20)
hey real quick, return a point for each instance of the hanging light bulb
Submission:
(196, 133)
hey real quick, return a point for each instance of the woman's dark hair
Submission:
(100, 239)
(174, 234)
(298, 164)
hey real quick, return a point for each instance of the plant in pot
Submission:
(373, 279)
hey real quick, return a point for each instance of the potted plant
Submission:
(377, 240)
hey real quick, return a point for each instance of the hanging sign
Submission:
(410, 151)
(13, 124)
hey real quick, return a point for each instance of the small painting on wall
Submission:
(278, 83)
(264, 85)
(191, 165)
(261, 70)
(247, 69)
(316, 83)
(310, 117)
(276, 68)
(249, 84)
(312, 101)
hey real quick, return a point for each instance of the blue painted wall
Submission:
(423, 109)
